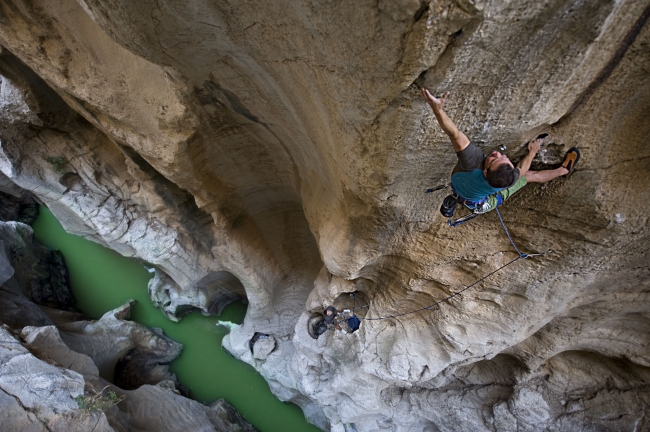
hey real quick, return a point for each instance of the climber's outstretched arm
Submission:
(533, 148)
(458, 139)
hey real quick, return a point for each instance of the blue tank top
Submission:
(472, 185)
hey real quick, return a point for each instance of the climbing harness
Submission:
(436, 305)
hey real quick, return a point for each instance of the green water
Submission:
(102, 280)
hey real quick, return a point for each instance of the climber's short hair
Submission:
(504, 176)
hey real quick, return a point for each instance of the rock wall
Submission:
(281, 153)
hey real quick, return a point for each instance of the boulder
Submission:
(125, 352)
(47, 341)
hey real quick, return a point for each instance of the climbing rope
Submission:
(503, 224)
(436, 305)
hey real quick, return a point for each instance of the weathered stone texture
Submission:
(38, 394)
(281, 152)
(41, 376)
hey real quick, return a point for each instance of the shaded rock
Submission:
(224, 417)
(62, 316)
(41, 273)
(17, 308)
(23, 210)
(16, 204)
(149, 407)
(146, 365)
(316, 325)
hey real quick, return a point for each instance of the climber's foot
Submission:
(570, 160)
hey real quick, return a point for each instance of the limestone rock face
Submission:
(39, 396)
(47, 340)
(280, 152)
(40, 381)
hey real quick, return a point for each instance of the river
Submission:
(102, 280)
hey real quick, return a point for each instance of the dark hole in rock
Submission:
(185, 310)
(257, 336)
(21, 209)
(72, 181)
(261, 345)
(316, 325)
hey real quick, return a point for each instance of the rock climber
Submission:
(481, 183)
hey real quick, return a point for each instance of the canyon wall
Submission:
(280, 152)
(56, 367)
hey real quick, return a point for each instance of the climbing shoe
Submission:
(448, 206)
(571, 159)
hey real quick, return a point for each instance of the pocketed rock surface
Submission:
(279, 152)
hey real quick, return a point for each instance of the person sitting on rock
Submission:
(482, 183)
(331, 315)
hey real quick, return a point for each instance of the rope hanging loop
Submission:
(437, 304)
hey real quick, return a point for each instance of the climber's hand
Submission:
(533, 146)
(435, 103)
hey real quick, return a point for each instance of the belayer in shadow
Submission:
(331, 315)
(345, 320)
(482, 183)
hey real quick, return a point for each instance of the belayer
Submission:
(481, 183)
(346, 319)
(331, 315)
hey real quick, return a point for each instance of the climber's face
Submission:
(494, 159)
(329, 312)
